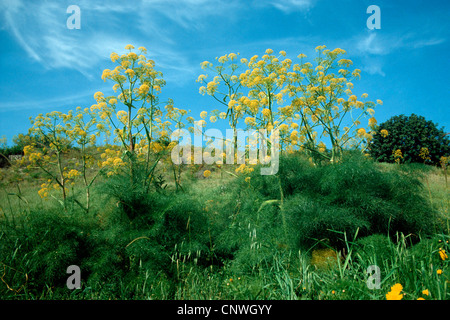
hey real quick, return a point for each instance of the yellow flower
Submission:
(201, 123)
(318, 48)
(202, 77)
(72, 174)
(132, 55)
(223, 59)
(129, 47)
(125, 64)
(143, 49)
(247, 179)
(439, 271)
(397, 288)
(206, 173)
(420, 298)
(98, 95)
(283, 127)
(384, 133)
(203, 114)
(106, 73)
(114, 57)
(361, 132)
(143, 89)
(352, 98)
(205, 64)
(130, 72)
(397, 155)
(249, 120)
(395, 294)
(443, 254)
(426, 292)
(232, 56)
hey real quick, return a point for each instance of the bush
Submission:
(411, 135)
(9, 151)
(319, 203)
(42, 245)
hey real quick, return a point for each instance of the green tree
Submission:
(419, 140)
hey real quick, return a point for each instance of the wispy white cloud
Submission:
(372, 46)
(41, 31)
(288, 6)
(44, 104)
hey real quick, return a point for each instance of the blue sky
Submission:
(45, 66)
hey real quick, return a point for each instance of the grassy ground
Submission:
(316, 272)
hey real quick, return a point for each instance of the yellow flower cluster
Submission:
(111, 161)
(398, 155)
(31, 154)
(73, 174)
(43, 192)
(244, 169)
(424, 153)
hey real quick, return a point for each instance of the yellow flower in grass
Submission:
(439, 271)
(395, 293)
(426, 292)
(43, 192)
(206, 173)
(73, 173)
(442, 254)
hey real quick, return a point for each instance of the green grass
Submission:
(223, 238)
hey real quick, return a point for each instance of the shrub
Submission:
(417, 139)
(318, 203)
(42, 245)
